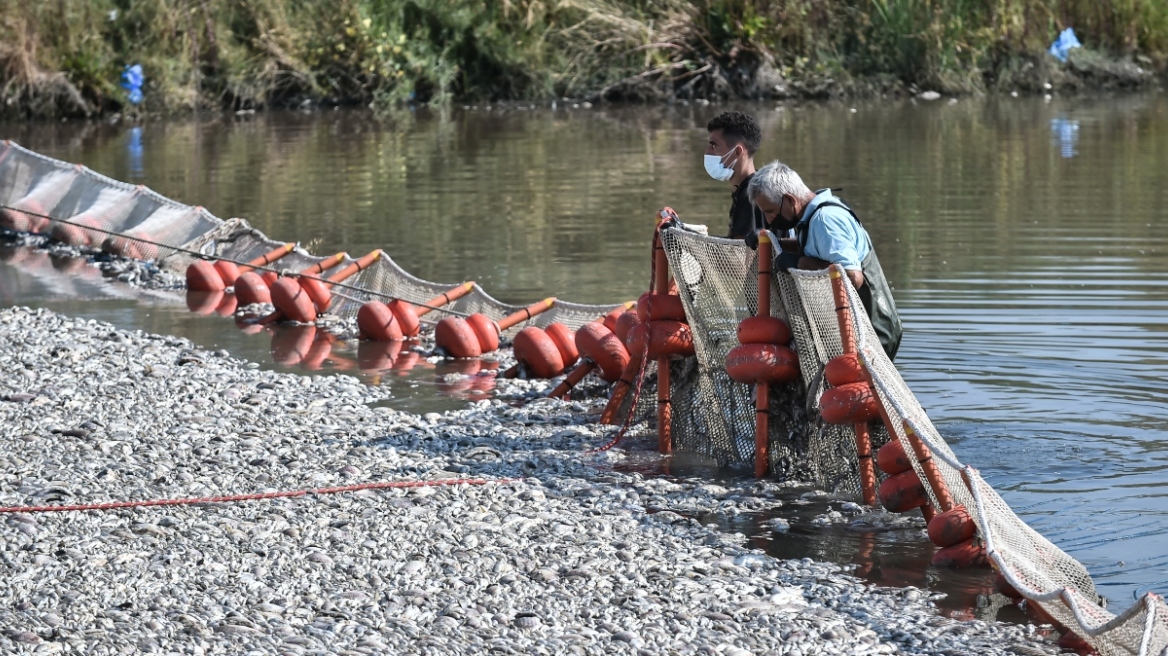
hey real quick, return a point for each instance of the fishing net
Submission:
(713, 415)
(91, 210)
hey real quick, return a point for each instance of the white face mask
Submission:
(716, 170)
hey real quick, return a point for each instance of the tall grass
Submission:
(64, 56)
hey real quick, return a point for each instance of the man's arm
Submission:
(814, 264)
(834, 236)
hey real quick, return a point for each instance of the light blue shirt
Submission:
(834, 236)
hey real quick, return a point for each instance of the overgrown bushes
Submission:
(64, 56)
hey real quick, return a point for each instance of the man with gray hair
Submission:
(826, 232)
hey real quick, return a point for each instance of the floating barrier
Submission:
(705, 411)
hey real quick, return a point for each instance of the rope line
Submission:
(280, 272)
(256, 496)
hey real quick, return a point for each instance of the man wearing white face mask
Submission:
(734, 139)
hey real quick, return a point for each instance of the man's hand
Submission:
(751, 240)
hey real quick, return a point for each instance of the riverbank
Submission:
(64, 59)
(575, 557)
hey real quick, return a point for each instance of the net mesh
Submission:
(712, 415)
(87, 207)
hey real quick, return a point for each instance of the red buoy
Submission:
(660, 307)
(251, 288)
(849, 404)
(538, 353)
(762, 363)
(625, 323)
(317, 291)
(15, 220)
(609, 320)
(486, 330)
(600, 345)
(902, 492)
(951, 527)
(764, 330)
(203, 277)
(565, 341)
(271, 277)
(891, 458)
(963, 555)
(666, 338)
(407, 317)
(844, 370)
(377, 322)
(227, 271)
(291, 299)
(456, 336)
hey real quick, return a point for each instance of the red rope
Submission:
(112, 505)
(632, 408)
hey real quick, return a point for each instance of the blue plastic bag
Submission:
(132, 79)
(1063, 44)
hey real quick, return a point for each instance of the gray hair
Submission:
(774, 180)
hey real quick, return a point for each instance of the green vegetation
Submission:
(64, 56)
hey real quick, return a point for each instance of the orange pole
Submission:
(932, 474)
(621, 388)
(446, 297)
(526, 313)
(664, 403)
(762, 391)
(848, 342)
(570, 381)
(324, 265)
(355, 267)
(268, 258)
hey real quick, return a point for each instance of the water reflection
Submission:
(1066, 135)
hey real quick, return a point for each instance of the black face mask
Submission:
(779, 224)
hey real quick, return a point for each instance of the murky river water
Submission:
(1027, 242)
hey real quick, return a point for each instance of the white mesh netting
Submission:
(87, 207)
(717, 282)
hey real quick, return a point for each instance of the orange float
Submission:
(572, 379)
(660, 307)
(952, 527)
(609, 320)
(625, 323)
(202, 276)
(762, 363)
(228, 271)
(764, 330)
(486, 331)
(377, 322)
(269, 257)
(902, 492)
(963, 555)
(891, 458)
(565, 341)
(665, 339)
(849, 404)
(250, 288)
(317, 291)
(292, 301)
(538, 353)
(455, 336)
(407, 317)
(844, 370)
(597, 343)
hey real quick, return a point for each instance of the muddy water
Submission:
(1027, 242)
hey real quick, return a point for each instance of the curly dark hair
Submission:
(738, 128)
